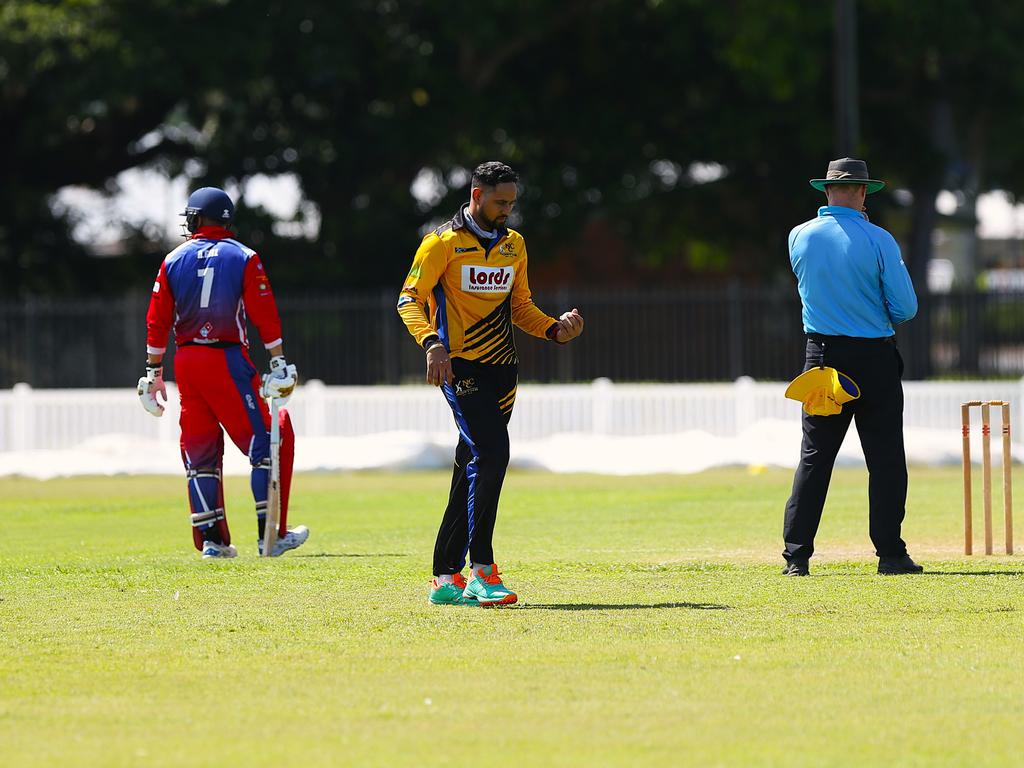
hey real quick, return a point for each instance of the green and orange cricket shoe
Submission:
(450, 593)
(486, 588)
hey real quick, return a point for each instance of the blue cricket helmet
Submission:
(210, 202)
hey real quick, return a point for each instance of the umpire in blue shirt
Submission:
(854, 288)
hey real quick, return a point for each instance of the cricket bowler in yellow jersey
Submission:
(466, 289)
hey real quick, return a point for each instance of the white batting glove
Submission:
(280, 382)
(151, 385)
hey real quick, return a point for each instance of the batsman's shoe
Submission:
(214, 551)
(294, 539)
(450, 593)
(487, 589)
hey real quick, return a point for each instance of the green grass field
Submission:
(654, 627)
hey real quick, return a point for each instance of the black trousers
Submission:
(481, 398)
(877, 368)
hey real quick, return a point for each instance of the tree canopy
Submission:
(662, 141)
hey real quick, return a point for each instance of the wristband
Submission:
(431, 341)
(435, 344)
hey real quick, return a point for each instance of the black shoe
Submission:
(898, 565)
(796, 568)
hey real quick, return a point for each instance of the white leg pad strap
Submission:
(207, 518)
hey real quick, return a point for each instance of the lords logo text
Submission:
(487, 279)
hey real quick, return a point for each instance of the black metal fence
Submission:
(677, 334)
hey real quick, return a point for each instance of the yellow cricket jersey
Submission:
(469, 295)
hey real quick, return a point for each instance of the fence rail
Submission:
(660, 335)
(32, 419)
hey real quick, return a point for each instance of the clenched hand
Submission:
(570, 325)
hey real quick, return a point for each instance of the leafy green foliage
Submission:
(614, 112)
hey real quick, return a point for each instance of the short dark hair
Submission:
(492, 174)
(846, 187)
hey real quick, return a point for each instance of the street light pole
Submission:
(847, 112)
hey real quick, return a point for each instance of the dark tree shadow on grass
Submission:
(973, 573)
(622, 606)
(354, 554)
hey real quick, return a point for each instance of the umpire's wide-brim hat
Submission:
(823, 391)
(847, 170)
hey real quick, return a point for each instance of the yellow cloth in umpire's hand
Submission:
(823, 391)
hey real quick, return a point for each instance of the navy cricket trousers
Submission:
(481, 397)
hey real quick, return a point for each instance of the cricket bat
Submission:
(274, 484)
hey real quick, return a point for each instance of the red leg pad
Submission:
(287, 457)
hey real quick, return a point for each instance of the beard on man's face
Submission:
(490, 223)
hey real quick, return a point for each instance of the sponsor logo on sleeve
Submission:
(487, 279)
(403, 300)
(156, 287)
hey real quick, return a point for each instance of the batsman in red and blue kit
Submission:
(206, 288)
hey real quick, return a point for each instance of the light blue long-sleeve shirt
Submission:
(850, 275)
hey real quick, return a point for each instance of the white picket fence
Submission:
(63, 418)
